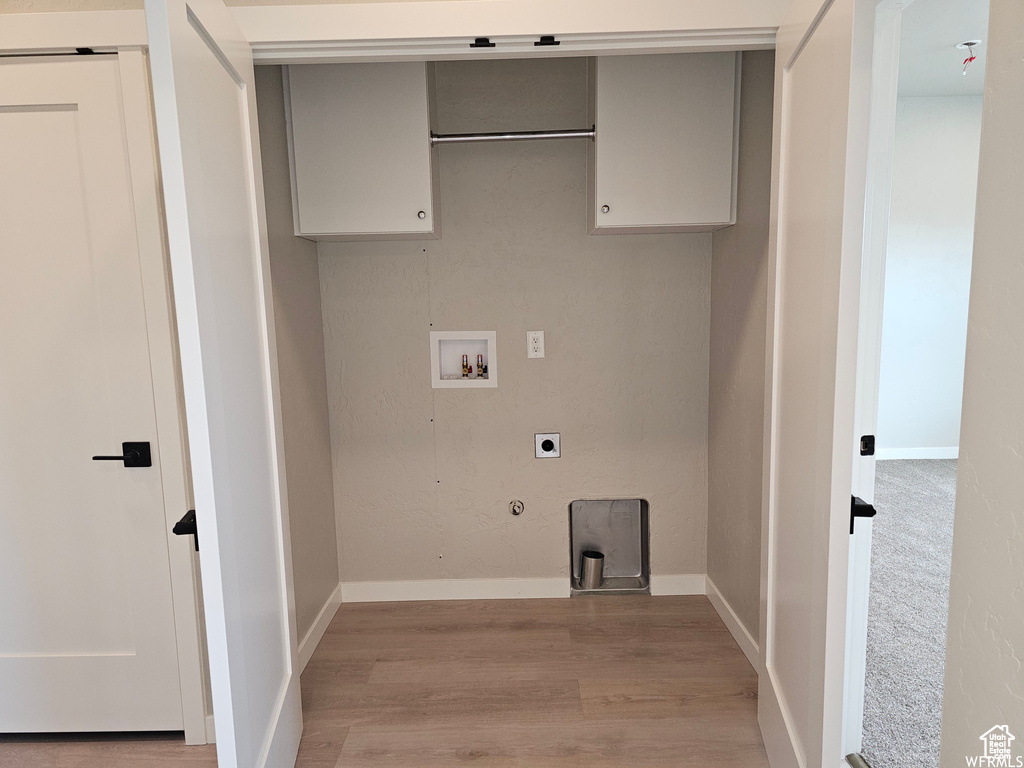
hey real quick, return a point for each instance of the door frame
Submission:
(119, 32)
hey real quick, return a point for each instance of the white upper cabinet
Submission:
(360, 143)
(664, 159)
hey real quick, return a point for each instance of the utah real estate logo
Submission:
(997, 752)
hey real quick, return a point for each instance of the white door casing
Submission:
(822, 73)
(87, 641)
(209, 151)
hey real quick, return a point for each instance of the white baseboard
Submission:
(678, 584)
(452, 589)
(777, 731)
(316, 632)
(743, 638)
(496, 589)
(211, 732)
(888, 454)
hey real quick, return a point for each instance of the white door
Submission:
(87, 637)
(878, 187)
(209, 152)
(817, 219)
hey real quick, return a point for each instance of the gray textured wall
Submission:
(625, 379)
(985, 652)
(303, 380)
(738, 325)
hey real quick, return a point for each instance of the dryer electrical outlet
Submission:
(547, 445)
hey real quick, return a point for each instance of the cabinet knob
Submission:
(605, 208)
(422, 214)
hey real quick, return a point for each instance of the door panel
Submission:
(878, 190)
(209, 151)
(817, 219)
(87, 640)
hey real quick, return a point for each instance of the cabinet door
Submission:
(665, 152)
(361, 157)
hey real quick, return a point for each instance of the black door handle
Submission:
(187, 527)
(132, 454)
(860, 508)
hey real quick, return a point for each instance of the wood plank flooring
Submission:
(598, 682)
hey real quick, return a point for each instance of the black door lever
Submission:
(132, 454)
(187, 527)
(860, 508)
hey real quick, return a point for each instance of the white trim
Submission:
(890, 454)
(679, 584)
(452, 589)
(503, 21)
(322, 51)
(316, 632)
(211, 731)
(774, 719)
(103, 31)
(140, 135)
(743, 638)
(497, 589)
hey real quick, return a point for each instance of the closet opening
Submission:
(616, 206)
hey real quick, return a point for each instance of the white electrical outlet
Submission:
(535, 343)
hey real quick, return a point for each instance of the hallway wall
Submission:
(928, 276)
(984, 674)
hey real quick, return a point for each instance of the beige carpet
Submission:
(911, 549)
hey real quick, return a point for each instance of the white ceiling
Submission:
(930, 64)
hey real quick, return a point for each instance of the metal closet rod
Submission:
(465, 138)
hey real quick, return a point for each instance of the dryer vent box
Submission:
(618, 529)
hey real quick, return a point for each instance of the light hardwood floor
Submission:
(594, 682)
